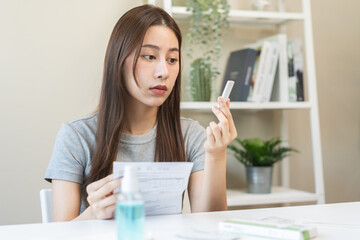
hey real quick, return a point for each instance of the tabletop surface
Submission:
(333, 221)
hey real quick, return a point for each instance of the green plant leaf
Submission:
(209, 19)
(257, 152)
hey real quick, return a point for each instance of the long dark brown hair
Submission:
(128, 36)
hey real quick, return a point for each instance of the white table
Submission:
(333, 221)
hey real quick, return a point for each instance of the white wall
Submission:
(336, 27)
(51, 59)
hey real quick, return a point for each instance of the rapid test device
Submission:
(228, 87)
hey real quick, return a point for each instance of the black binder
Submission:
(239, 68)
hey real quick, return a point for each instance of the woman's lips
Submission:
(159, 89)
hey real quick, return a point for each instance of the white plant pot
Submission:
(259, 5)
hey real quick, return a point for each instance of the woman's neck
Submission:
(140, 120)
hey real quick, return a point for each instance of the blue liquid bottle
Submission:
(129, 213)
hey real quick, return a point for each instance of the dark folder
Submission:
(239, 68)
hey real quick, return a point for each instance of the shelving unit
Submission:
(280, 194)
(252, 18)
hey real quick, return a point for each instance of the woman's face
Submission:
(157, 67)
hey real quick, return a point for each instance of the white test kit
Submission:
(227, 90)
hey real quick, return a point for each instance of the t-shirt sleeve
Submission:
(194, 142)
(68, 158)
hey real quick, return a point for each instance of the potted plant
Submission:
(259, 156)
(208, 20)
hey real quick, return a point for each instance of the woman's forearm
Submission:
(213, 193)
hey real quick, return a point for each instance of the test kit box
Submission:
(278, 228)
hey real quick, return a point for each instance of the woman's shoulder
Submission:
(194, 139)
(85, 126)
(89, 121)
(188, 122)
(189, 125)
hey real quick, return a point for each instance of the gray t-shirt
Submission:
(75, 145)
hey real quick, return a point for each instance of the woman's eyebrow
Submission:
(158, 48)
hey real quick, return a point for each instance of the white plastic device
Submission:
(227, 90)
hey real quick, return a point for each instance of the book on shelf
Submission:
(280, 84)
(300, 85)
(270, 76)
(261, 70)
(295, 70)
(253, 76)
(270, 227)
(239, 68)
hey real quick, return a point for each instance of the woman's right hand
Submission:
(101, 197)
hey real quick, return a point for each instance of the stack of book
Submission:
(267, 70)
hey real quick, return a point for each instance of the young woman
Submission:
(138, 119)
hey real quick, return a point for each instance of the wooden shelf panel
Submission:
(206, 106)
(240, 197)
(261, 18)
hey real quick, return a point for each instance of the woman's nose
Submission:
(161, 71)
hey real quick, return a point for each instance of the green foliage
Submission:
(200, 72)
(257, 152)
(208, 21)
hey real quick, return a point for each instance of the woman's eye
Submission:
(172, 60)
(149, 57)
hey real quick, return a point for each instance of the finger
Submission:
(224, 106)
(209, 135)
(108, 188)
(111, 210)
(225, 131)
(108, 201)
(105, 208)
(98, 184)
(222, 119)
(104, 191)
(216, 132)
(226, 110)
(108, 212)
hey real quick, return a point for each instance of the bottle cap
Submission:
(130, 182)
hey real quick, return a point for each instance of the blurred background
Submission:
(51, 61)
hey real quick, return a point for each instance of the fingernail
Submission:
(214, 108)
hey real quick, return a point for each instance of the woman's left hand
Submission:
(220, 135)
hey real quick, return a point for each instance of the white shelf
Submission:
(243, 17)
(277, 195)
(278, 20)
(246, 105)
